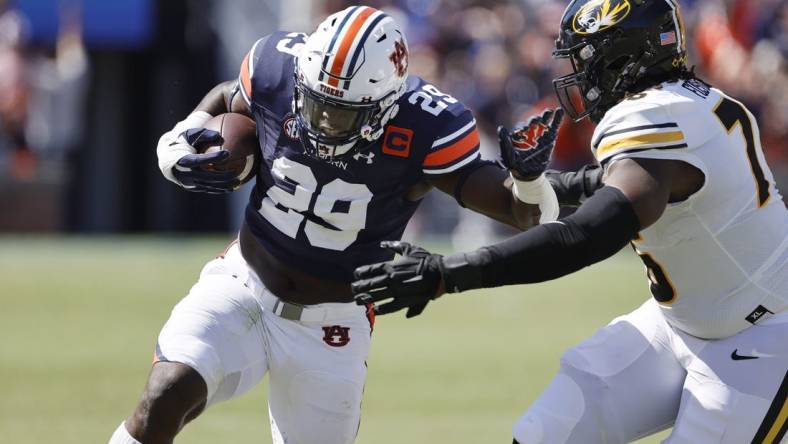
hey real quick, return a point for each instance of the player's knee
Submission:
(329, 408)
(555, 416)
(174, 394)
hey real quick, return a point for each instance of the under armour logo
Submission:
(336, 336)
(368, 157)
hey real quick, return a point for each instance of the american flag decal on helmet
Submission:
(668, 38)
(678, 22)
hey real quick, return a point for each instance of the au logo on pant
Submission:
(336, 336)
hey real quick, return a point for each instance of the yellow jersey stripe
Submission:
(617, 131)
(778, 428)
(775, 423)
(635, 141)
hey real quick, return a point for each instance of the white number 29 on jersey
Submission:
(432, 100)
(284, 208)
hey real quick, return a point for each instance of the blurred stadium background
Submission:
(96, 247)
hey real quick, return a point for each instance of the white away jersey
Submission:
(717, 262)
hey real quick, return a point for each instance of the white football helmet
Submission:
(349, 75)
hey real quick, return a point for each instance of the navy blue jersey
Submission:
(328, 217)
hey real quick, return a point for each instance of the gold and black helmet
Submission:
(617, 47)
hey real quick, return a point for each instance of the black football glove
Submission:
(410, 281)
(526, 150)
(191, 171)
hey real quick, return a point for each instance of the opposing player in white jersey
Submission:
(687, 185)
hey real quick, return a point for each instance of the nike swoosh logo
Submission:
(737, 357)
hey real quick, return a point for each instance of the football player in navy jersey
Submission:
(350, 145)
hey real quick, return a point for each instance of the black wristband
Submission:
(463, 271)
(602, 226)
(574, 187)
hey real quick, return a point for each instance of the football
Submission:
(239, 137)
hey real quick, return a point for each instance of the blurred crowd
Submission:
(41, 96)
(42, 92)
(494, 55)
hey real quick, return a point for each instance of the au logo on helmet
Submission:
(399, 57)
(598, 15)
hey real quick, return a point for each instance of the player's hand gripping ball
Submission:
(526, 150)
(409, 282)
(227, 155)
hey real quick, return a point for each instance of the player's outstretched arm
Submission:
(637, 193)
(522, 196)
(488, 190)
(177, 148)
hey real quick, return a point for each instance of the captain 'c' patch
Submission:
(396, 141)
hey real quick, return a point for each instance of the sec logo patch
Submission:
(290, 128)
(396, 141)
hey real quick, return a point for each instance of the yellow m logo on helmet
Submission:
(598, 15)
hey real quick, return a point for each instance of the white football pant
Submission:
(638, 376)
(227, 330)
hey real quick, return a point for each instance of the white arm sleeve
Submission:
(171, 147)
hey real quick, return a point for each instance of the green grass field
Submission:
(79, 319)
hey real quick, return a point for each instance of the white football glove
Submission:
(172, 146)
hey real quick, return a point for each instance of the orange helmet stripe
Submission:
(347, 42)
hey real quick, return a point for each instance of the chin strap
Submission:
(369, 133)
(374, 130)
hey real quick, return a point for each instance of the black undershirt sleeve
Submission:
(465, 173)
(602, 226)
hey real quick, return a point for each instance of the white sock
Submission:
(121, 436)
